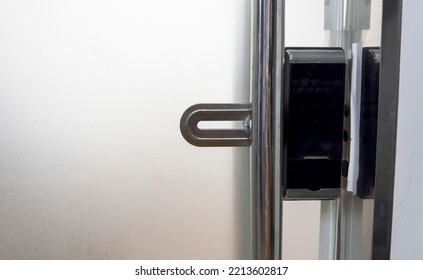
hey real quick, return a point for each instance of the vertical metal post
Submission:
(387, 128)
(267, 43)
(345, 20)
(330, 217)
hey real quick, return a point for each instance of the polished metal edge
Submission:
(216, 137)
(376, 54)
(279, 34)
(315, 55)
(266, 61)
(387, 128)
(305, 194)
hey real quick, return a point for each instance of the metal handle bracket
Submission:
(217, 137)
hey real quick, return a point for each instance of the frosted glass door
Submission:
(92, 162)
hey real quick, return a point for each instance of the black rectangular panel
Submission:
(313, 106)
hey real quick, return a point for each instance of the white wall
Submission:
(407, 228)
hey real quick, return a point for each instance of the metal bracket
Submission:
(217, 137)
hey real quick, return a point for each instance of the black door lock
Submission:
(313, 116)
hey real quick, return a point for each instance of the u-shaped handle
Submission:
(217, 137)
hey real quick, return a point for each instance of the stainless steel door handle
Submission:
(264, 135)
(217, 137)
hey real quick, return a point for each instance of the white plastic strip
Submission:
(355, 108)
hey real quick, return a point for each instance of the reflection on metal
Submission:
(267, 44)
(358, 230)
(327, 243)
(304, 194)
(387, 128)
(334, 23)
(276, 126)
(216, 137)
(334, 15)
(346, 19)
